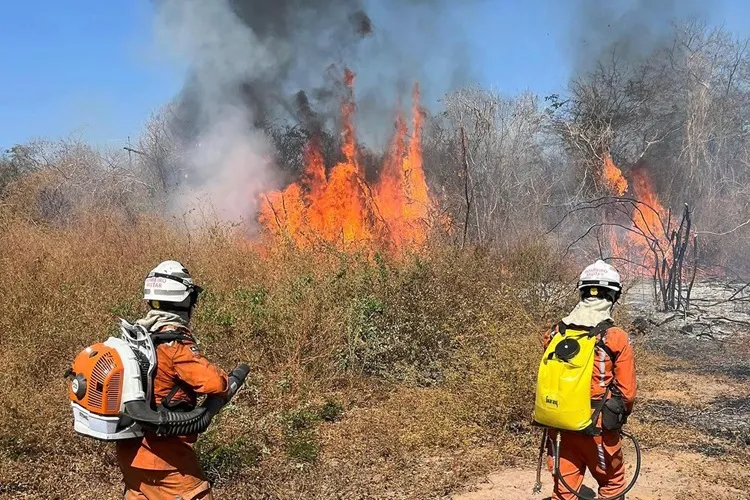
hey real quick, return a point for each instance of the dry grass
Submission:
(372, 376)
(369, 373)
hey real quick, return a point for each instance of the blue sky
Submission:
(89, 68)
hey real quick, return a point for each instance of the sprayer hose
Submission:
(556, 472)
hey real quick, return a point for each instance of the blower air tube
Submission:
(172, 423)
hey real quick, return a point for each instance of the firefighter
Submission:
(613, 377)
(159, 467)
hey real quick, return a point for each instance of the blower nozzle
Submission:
(237, 378)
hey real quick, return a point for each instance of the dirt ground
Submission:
(692, 415)
(683, 475)
(701, 457)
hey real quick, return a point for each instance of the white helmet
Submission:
(170, 282)
(600, 275)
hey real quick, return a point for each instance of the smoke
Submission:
(231, 163)
(255, 63)
(632, 28)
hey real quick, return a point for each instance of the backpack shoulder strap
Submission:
(601, 328)
(555, 329)
(165, 336)
(167, 402)
(598, 332)
(561, 327)
(171, 336)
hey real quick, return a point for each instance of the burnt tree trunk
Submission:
(670, 273)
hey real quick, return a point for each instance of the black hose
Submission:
(621, 495)
(164, 422)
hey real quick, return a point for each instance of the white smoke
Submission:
(229, 162)
(214, 42)
(236, 163)
(247, 59)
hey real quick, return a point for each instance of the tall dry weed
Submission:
(354, 358)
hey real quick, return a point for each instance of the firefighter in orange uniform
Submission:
(161, 467)
(614, 368)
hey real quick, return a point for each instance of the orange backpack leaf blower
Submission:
(111, 385)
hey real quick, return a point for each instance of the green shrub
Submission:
(331, 411)
(222, 461)
(303, 447)
(299, 432)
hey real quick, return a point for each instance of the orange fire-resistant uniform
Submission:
(601, 455)
(167, 468)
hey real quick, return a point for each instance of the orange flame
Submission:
(401, 194)
(613, 178)
(341, 208)
(635, 245)
(650, 217)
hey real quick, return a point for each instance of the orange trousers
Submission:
(143, 484)
(601, 455)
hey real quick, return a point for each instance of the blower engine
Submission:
(111, 385)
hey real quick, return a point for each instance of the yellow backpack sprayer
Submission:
(563, 397)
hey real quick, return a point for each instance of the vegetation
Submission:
(357, 363)
(372, 374)
(504, 167)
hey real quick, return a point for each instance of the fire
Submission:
(401, 194)
(650, 217)
(340, 208)
(634, 245)
(613, 178)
